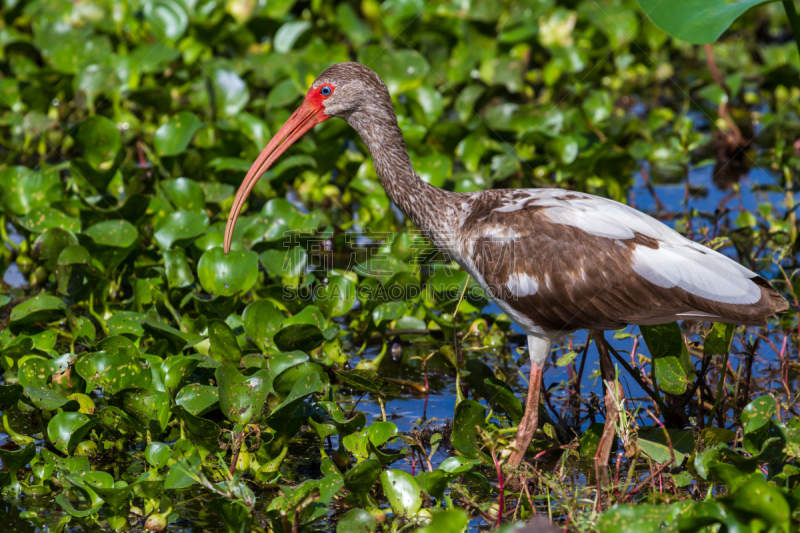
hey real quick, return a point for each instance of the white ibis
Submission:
(555, 261)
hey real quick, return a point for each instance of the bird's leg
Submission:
(538, 349)
(612, 400)
(527, 426)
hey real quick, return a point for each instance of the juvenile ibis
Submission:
(555, 261)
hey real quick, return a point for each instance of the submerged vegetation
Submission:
(335, 372)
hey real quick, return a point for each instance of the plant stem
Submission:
(653, 393)
(455, 314)
(723, 372)
(501, 497)
(794, 21)
(22, 440)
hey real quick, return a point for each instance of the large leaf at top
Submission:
(696, 21)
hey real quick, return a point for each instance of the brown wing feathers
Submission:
(584, 281)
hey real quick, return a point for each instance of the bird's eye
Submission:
(325, 91)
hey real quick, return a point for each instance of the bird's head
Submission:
(345, 90)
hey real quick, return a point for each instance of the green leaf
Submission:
(179, 274)
(183, 473)
(758, 413)
(126, 323)
(653, 442)
(713, 436)
(114, 233)
(288, 34)
(261, 320)
(361, 477)
(180, 226)
(718, 340)
(9, 395)
(241, 398)
(447, 521)
(157, 454)
(99, 139)
(198, 399)
(663, 340)
(48, 399)
(22, 189)
(356, 520)
(388, 311)
(696, 21)
(496, 392)
(469, 417)
(434, 169)
(175, 370)
(167, 18)
(231, 93)
(302, 337)
(337, 297)
(226, 275)
(758, 498)
(402, 491)
(44, 218)
(670, 375)
(51, 242)
(302, 388)
(223, 344)
(174, 135)
(41, 308)
(637, 518)
(66, 430)
(185, 194)
(17, 459)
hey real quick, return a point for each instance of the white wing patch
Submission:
(521, 284)
(678, 262)
(705, 275)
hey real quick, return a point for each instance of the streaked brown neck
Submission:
(423, 203)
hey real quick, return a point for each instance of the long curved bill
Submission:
(306, 117)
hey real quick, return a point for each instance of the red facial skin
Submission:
(308, 115)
